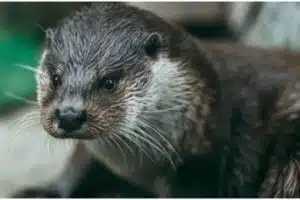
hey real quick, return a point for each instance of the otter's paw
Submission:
(37, 193)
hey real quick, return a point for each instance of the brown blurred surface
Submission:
(46, 13)
(183, 12)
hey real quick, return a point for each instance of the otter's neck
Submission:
(201, 116)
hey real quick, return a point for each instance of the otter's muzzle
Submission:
(70, 119)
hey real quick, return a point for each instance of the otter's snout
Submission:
(70, 119)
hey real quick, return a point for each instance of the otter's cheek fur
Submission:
(48, 120)
(46, 109)
(103, 120)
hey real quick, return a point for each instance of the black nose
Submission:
(70, 119)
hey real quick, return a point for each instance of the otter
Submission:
(173, 115)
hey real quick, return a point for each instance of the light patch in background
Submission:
(29, 157)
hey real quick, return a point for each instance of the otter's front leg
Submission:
(67, 181)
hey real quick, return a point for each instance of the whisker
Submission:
(29, 68)
(106, 140)
(140, 149)
(111, 107)
(127, 134)
(120, 148)
(152, 127)
(40, 27)
(147, 141)
(33, 69)
(142, 122)
(28, 124)
(29, 116)
(123, 141)
(24, 122)
(33, 114)
(14, 96)
(23, 128)
(163, 110)
(159, 147)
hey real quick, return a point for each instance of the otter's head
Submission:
(106, 69)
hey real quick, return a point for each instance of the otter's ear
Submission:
(153, 44)
(48, 36)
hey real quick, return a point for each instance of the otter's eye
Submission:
(110, 83)
(55, 80)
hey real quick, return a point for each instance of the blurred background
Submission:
(28, 156)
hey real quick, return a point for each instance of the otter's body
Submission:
(259, 109)
(155, 105)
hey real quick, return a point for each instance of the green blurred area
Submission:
(21, 38)
(16, 49)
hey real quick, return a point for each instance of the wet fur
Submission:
(138, 127)
(208, 111)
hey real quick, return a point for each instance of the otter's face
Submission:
(88, 89)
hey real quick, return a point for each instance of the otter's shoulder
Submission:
(239, 61)
(266, 78)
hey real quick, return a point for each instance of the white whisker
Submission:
(146, 123)
(24, 128)
(14, 96)
(33, 69)
(164, 110)
(30, 115)
(27, 67)
(108, 142)
(158, 146)
(123, 141)
(111, 136)
(152, 142)
(127, 134)
(40, 26)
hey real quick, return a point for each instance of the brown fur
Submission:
(237, 133)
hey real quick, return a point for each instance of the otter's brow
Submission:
(117, 73)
